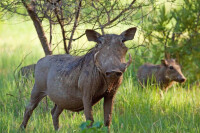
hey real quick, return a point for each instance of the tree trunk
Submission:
(38, 26)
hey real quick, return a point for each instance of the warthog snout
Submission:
(116, 72)
(113, 73)
(181, 79)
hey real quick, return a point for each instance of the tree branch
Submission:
(120, 14)
(75, 24)
(50, 30)
(61, 23)
(98, 16)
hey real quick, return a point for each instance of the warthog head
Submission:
(173, 71)
(111, 52)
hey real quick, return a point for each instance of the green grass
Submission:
(135, 110)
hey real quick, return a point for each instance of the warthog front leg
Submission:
(55, 116)
(108, 105)
(87, 104)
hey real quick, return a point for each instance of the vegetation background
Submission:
(166, 27)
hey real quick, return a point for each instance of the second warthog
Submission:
(78, 82)
(163, 75)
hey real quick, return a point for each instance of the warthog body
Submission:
(78, 82)
(165, 74)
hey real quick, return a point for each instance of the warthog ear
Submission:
(164, 62)
(128, 34)
(92, 35)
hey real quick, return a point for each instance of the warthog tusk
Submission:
(95, 56)
(96, 62)
(129, 61)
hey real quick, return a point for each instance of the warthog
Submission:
(164, 74)
(78, 82)
(26, 73)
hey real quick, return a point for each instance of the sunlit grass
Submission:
(135, 109)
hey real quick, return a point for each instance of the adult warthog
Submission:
(78, 82)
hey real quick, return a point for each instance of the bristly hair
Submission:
(79, 62)
(85, 59)
(172, 61)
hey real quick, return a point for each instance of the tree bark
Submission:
(38, 26)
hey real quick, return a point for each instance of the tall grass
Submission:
(135, 109)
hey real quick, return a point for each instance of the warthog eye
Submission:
(171, 67)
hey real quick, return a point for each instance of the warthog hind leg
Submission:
(36, 97)
(56, 111)
(53, 110)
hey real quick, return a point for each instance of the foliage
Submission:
(97, 127)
